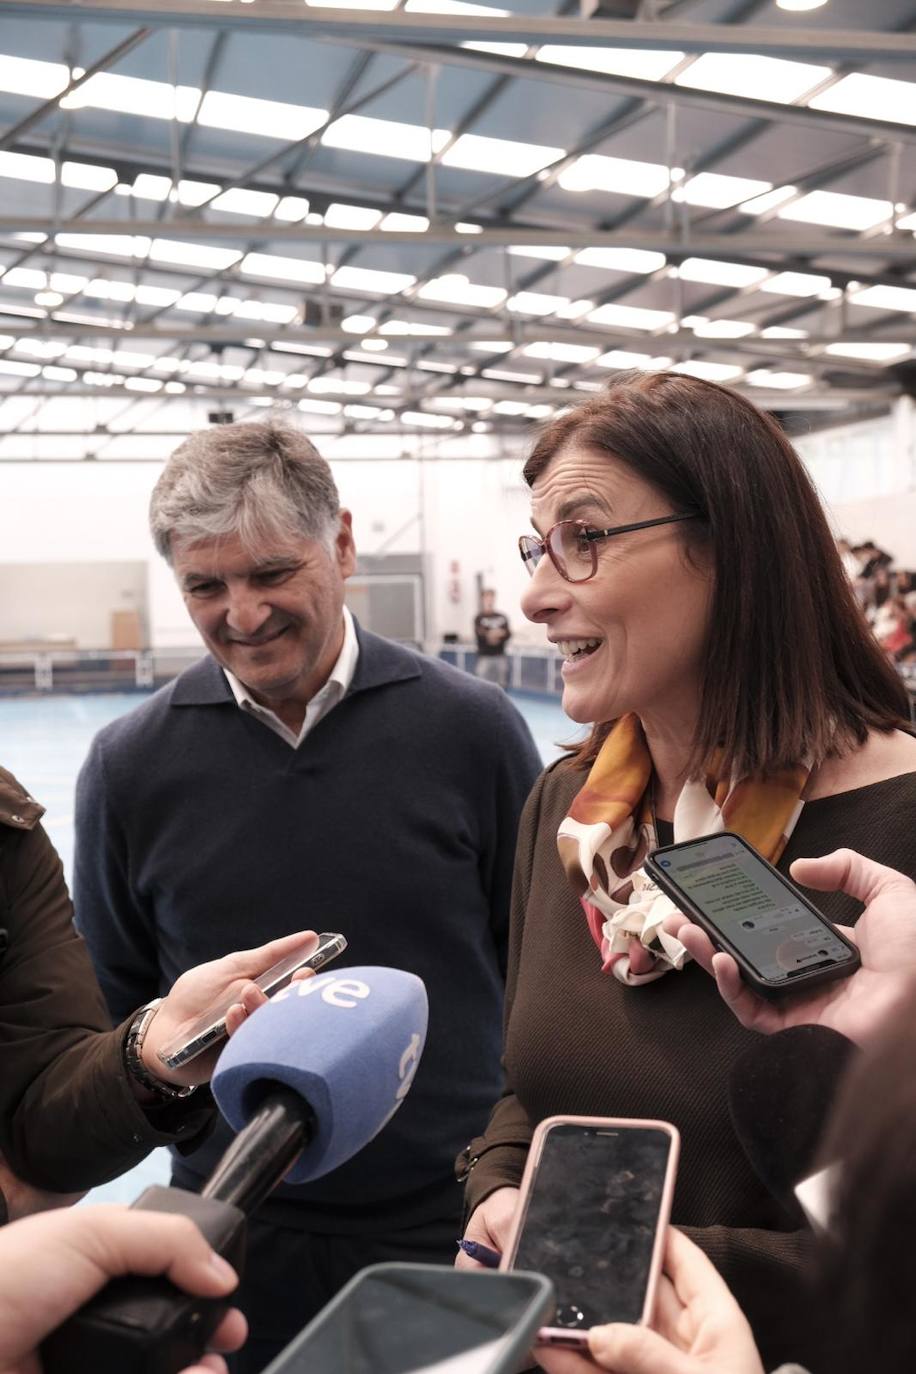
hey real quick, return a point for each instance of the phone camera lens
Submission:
(569, 1315)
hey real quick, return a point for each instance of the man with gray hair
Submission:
(308, 773)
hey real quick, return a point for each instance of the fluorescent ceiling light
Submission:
(778, 331)
(574, 310)
(111, 290)
(143, 384)
(861, 94)
(374, 345)
(717, 273)
(778, 381)
(341, 385)
(887, 298)
(709, 372)
(631, 317)
(59, 374)
(535, 303)
(197, 302)
(498, 375)
(455, 289)
(798, 6)
(501, 156)
(283, 269)
(317, 407)
(361, 412)
(839, 210)
(619, 175)
(369, 279)
(714, 191)
(869, 352)
(134, 95)
(463, 227)
(265, 310)
(237, 201)
(113, 245)
(452, 7)
(562, 352)
(500, 49)
(340, 216)
(28, 277)
(621, 259)
(195, 193)
(795, 284)
(412, 223)
(645, 64)
(510, 408)
(203, 255)
(548, 253)
(24, 76)
(423, 420)
(723, 329)
(412, 329)
(259, 376)
(292, 209)
(752, 76)
(352, 4)
(156, 295)
(358, 324)
(270, 118)
(384, 138)
(15, 369)
(770, 200)
(492, 346)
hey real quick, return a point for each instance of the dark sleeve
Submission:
(118, 931)
(496, 1159)
(516, 764)
(68, 1115)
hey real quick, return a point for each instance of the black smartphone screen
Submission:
(397, 1319)
(764, 918)
(590, 1220)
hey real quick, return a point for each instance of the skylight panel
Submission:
(717, 273)
(103, 290)
(770, 200)
(778, 381)
(709, 372)
(497, 374)
(631, 317)
(24, 167)
(423, 420)
(413, 330)
(861, 94)
(501, 156)
(778, 331)
(621, 259)
(237, 201)
(341, 385)
(134, 95)
(195, 193)
(499, 49)
(492, 345)
(547, 252)
(87, 176)
(411, 223)
(372, 280)
(752, 76)
(715, 191)
(352, 4)
(156, 295)
(283, 269)
(562, 352)
(574, 310)
(453, 7)
(869, 352)
(143, 384)
(839, 210)
(795, 284)
(619, 175)
(146, 186)
(316, 407)
(29, 277)
(645, 64)
(292, 209)
(723, 329)
(269, 118)
(455, 289)
(25, 76)
(384, 138)
(203, 255)
(197, 302)
(887, 298)
(340, 216)
(535, 303)
(112, 245)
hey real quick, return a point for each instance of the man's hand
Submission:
(885, 934)
(221, 981)
(50, 1265)
(490, 1224)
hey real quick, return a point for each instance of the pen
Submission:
(482, 1253)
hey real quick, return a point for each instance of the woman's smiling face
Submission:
(632, 637)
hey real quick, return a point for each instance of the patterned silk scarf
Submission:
(610, 829)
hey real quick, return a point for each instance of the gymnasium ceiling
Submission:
(431, 216)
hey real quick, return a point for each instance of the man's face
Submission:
(272, 615)
(488, 601)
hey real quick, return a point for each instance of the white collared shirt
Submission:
(322, 702)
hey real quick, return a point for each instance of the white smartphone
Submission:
(210, 1026)
(592, 1215)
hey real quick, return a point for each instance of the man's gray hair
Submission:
(258, 480)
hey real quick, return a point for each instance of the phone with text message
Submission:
(779, 940)
(592, 1215)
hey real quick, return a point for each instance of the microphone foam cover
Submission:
(347, 1042)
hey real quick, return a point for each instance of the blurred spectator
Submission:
(491, 630)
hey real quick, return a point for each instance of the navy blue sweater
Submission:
(199, 831)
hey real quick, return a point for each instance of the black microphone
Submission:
(307, 1080)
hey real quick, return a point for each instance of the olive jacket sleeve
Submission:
(68, 1115)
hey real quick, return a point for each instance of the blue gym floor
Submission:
(43, 741)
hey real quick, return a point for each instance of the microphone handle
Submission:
(262, 1153)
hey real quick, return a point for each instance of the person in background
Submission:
(51, 1265)
(79, 1102)
(491, 630)
(306, 769)
(683, 566)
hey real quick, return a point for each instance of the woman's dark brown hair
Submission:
(791, 667)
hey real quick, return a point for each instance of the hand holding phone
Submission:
(594, 1204)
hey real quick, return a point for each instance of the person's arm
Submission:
(51, 1265)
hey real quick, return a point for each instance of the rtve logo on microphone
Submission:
(335, 991)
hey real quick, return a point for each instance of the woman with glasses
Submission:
(682, 565)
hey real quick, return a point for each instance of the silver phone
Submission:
(210, 1026)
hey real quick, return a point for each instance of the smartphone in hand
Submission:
(593, 1210)
(779, 940)
(210, 1026)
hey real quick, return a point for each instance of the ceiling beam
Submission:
(292, 17)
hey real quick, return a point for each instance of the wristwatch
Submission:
(133, 1061)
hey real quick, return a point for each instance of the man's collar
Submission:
(340, 676)
(380, 661)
